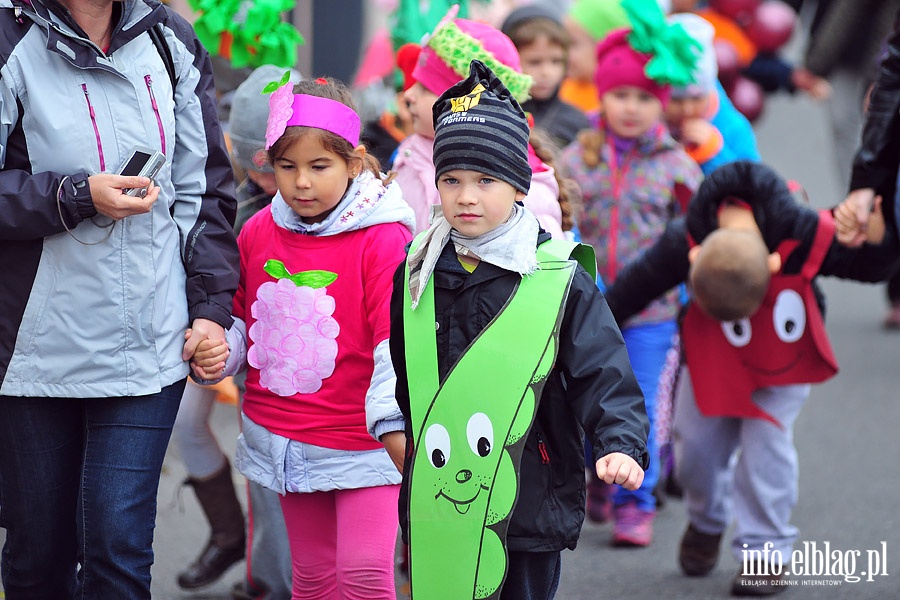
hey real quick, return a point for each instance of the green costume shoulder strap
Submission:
(565, 250)
(469, 432)
(421, 356)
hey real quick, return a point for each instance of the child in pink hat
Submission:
(443, 62)
(634, 178)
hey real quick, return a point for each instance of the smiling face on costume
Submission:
(630, 111)
(419, 100)
(313, 179)
(475, 203)
(458, 461)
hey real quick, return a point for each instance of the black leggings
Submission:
(893, 289)
(532, 576)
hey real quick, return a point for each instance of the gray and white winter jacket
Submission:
(105, 316)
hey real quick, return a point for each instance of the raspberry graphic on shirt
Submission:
(294, 336)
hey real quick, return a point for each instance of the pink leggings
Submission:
(342, 543)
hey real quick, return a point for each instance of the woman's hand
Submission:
(109, 199)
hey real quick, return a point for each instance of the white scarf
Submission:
(510, 246)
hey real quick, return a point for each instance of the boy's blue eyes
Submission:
(481, 181)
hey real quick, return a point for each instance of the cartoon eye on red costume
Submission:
(738, 333)
(789, 316)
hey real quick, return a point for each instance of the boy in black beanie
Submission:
(497, 372)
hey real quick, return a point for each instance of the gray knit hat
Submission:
(479, 126)
(249, 113)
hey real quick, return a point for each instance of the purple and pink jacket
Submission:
(629, 199)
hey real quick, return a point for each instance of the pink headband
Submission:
(287, 109)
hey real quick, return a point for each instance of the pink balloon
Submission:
(748, 97)
(728, 62)
(740, 11)
(771, 25)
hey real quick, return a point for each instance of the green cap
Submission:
(599, 17)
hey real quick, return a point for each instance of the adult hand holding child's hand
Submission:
(206, 348)
(851, 217)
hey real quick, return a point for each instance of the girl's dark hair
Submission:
(528, 31)
(326, 87)
(548, 151)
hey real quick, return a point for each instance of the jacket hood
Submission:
(756, 184)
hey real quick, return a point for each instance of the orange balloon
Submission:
(727, 29)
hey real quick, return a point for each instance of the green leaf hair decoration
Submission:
(248, 33)
(457, 48)
(673, 51)
(274, 85)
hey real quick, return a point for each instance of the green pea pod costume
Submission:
(468, 438)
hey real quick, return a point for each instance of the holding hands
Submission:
(858, 218)
(206, 348)
(620, 468)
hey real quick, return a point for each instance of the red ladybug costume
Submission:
(783, 343)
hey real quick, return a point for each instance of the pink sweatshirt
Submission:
(364, 261)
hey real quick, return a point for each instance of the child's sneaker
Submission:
(698, 552)
(599, 500)
(633, 526)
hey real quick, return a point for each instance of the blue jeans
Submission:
(647, 345)
(78, 484)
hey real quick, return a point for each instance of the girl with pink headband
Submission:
(311, 327)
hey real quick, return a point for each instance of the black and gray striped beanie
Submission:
(479, 126)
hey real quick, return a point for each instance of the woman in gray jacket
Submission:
(98, 287)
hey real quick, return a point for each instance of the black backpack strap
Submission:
(162, 47)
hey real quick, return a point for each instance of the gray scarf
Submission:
(510, 246)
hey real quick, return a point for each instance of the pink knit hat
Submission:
(619, 64)
(445, 57)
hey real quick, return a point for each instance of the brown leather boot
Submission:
(227, 541)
